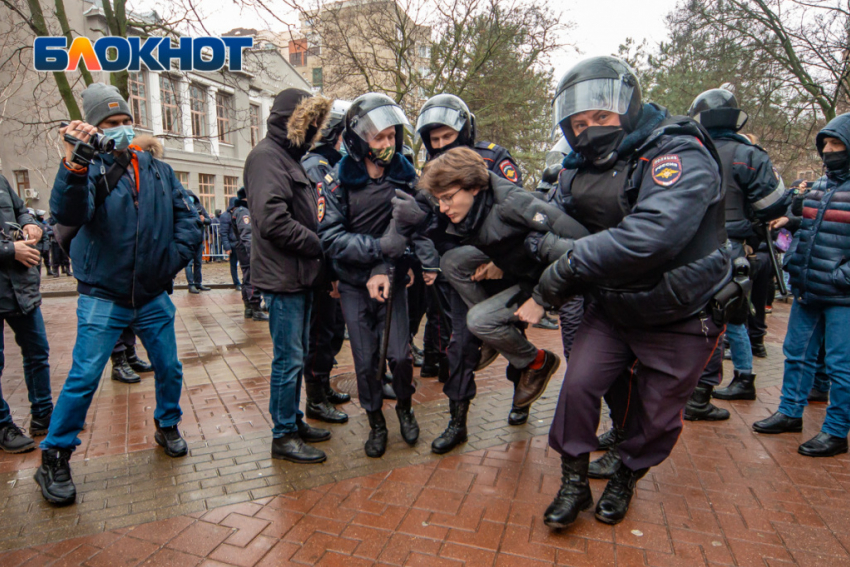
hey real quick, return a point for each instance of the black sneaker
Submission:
(13, 440)
(54, 477)
(170, 439)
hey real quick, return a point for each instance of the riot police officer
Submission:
(241, 230)
(648, 188)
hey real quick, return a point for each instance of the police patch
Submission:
(246, 220)
(321, 208)
(508, 170)
(776, 175)
(666, 170)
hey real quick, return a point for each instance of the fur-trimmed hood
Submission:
(147, 143)
(290, 122)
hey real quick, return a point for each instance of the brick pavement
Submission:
(726, 495)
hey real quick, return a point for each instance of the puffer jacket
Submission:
(19, 293)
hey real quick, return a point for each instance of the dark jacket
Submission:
(19, 292)
(196, 202)
(128, 249)
(225, 230)
(286, 255)
(819, 258)
(320, 162)
(500, 161)
(240, 228)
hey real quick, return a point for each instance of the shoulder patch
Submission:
(666, 170)
(491, 147)
(508, 170)
(776, 174)
(246, 219)
(329, 178)
(323, 162)
(321, 207)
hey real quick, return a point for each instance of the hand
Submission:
(558, 283)
(410, 278)
(78, 129)
(334, 290)
(487, 272)
(406, 212)
(378, 287)
(429, 277)
(393, 244)
(228, 252)
(776, 224)
(26, 254)
(530, 312)
(32, 232)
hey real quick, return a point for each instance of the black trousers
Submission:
(250, 295)
(327, 334)
(464, 352)
(58, 257)
(417, 302)
(364, 318)
(234, 266)
(762, 289)
(125, 340)
(193, 270)
(438, 332)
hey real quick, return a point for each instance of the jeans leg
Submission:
(99, 322)
(742, 351)
(803, 340)
(458, 265)
(155, 326)
(289, 325)
(821, 382)
(234, 273)
(5, 412)
(837, 360)
(493, 321)
(31, 336)
(198, 262)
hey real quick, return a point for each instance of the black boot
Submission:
(818, 397)
(614, 504)
(14, 440)
(823, 445)
(455, 433)
(518, 416)
(319, 408)
(606, 465)
(488, 356)
(257, 314)
(310, 434)
(387, 385)
(574, 495)
(407, 421)
(54, 477)
(334, 397)
(779, 423)
(40, 425)
(758, 348)
(430, 365)
(170, 439)
(700, 408)
(417, 353)
(611, 437)
(742, 387)
(136, 363)
(121, 371)
(292, 448)
(376, 445)
(249, 311)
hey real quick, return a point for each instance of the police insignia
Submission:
(508, 170)
(776, 175)
(329, 178)
(540, 218)
(246, 220)
(666, 170)
(321, 208)
(319, 188)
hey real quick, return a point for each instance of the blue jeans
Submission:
(99, 324)
(739, 346)
(821, 377)
(289, 324)
(809, 327)
(32, 338)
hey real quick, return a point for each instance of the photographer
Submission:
(136, 231)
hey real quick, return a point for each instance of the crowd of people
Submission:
(650, 235)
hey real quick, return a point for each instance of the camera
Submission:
(85, 152)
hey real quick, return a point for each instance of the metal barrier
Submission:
(213, 250)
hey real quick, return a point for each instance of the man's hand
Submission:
(407, 213)
(411, 279)
(26, 254)
(334, 290)
(379, 287)
(530, 312)
(429, 277)
(776, 224)
(78, 129)
(32, 232)
(487, 272)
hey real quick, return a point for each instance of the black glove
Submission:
(557, 284)
(547, 247)
(406, 213)
(392, 243)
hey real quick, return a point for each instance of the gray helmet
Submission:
(446, 110)
(368, 115)
(718, 108)
(335, 124)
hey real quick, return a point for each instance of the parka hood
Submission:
(291, 119)
(838, 127)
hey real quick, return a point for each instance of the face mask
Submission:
(445, 148)
(597, 142)
(122, 135)
(382, 157)
(343, 151)
(836, 161)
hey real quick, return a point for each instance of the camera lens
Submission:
(102, 144)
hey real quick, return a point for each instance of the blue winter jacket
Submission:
(128, 249)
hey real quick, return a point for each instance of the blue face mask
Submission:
(343, 150)
(122, 135)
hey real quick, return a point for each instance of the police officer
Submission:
(327, 326)
(648, 188)
(755, 195)
(226, 233)
(240, 227)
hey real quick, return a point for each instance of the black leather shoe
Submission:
(14, 440)
(418, 355)
(311, 434)
(54, 477)
(488, 356)
(376, 445)
(533, 382)
(202, 287)
(407, 421)
(758, 349)
(136, 363)
(336, 398)
(615, 500)
(170, 439)
(742, 387)
(387, 385)
(455, 433)
(430, 365)
(259, 315)
(779, 423)
(606, 465)
(823, 445)
(610, 438)
(818, 397)
(238, 287)
(40, 425)
(324, 411)
(121, 371)
(518, 416)
(193, 289)
(700, 408)
(546, 323)
(291, 447)
(574, 495)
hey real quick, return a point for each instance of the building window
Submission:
(206, 191)
(425, 51)
(255, 124)
(138, 99)
(317, 77)
(230, 187)
(224, 115)
(22, 180)
(298, 52)
(170, 105)
(183, 178)
(198, 107)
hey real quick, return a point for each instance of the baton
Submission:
(388, 319)
(777, 269)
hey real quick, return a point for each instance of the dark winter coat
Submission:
(19, 292)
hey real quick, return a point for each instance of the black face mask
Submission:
(597, 142)
(836, 162)
(445, 148)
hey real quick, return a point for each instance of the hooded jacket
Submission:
(225, 227)
(19, 293)
(286, 256)
(819, 258)
(128, 249)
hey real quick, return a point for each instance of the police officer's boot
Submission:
(488, 356)
(430, 365)
(136, 363)
(249, 311)
(407, 421)
(387, 386)
(700, 408)
(742, 387)
(319, 408)
(376, 445)
(332, 395)
(615, 500)
(258, 314)
(758, 348)
(574, 495)
(606, 465)
(455, 433)
(611, 437)
(121, 371)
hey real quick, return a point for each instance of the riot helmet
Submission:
(407, 152)
(558, 152)
(446, 110)
(718, 108)
(369, 115)
(331, 132)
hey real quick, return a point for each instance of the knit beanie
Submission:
(102, 101)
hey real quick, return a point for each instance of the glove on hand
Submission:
(406, 213)
(392, 243)
(557, 284)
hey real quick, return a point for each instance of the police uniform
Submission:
(241, 229)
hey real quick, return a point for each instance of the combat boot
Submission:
(334, 397)
(518, 416)
(121, 371)
(376, 445)
(742, 387)
(455, 433)
(758, 348)
(606, 465)
(700, 408)
(319, 408)
(169, 438)
(249, 311)
(39, 425)
(574, 495)
(611, 437)
(407, 421)
(430, 365)
(54, 477)
(136, 363)
(615, 500)
(488, 356)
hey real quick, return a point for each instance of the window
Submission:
(317, 77)
(206, 191)
(298, 52)
(425, 51)
(230, 187)
(224, 115)
(170, 105)
(138, 99)
(183, 178)
(255, 124)
(22, 180)
(198, 107)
